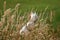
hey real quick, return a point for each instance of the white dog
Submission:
(30, 24)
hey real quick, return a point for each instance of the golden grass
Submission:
(11, 23)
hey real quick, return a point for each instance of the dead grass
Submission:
(11, 23)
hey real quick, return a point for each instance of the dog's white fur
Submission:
(29, 24)
(33, 16)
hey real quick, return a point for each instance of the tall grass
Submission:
(11, 22)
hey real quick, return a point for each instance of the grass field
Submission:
(24, 10)
(38, 4)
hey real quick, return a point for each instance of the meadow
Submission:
(15, 13)
(27, 5)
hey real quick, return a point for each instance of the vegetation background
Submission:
(39, 5)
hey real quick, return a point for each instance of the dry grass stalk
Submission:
(7, 12)
(17, 6)
(51, 16)
(4, 5)
(6, 28)
(1, 24)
